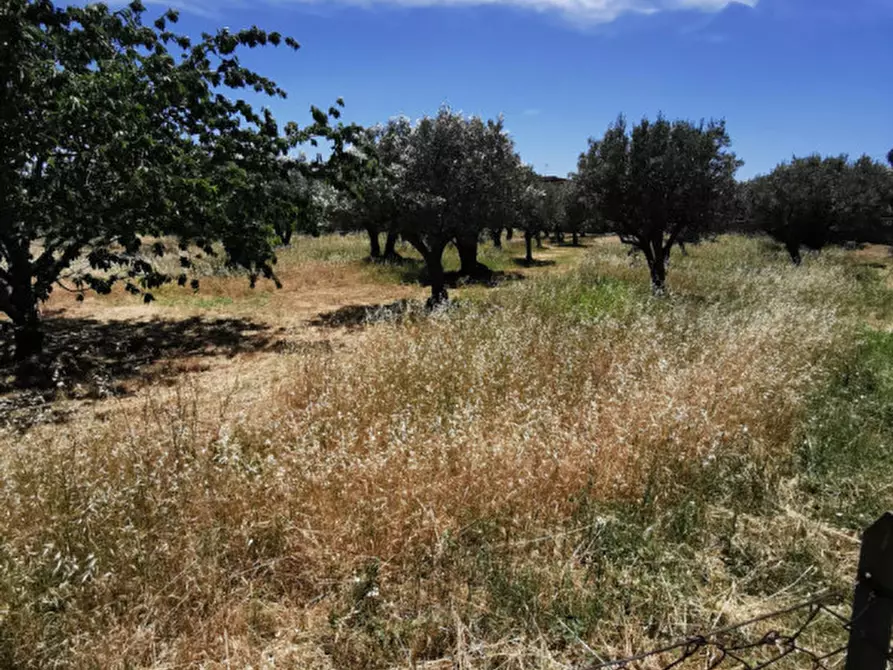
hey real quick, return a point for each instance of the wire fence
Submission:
(823, 632)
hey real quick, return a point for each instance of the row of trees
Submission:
(118, 134)
(448, 179)
(658, 185)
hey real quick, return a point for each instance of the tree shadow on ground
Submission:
(536, 263)
(88, 359)
(408, 270)
(356, 316)
(491, 278)
(413, 271)
(396, 260)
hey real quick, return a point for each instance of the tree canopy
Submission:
(118, 134)
(658, 182)
(443, 180)
(814, 201)
(370, 177)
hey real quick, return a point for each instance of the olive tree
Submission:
(372, 204)
(576, 219)
(532, 211)
(555, 205)
(449, 180)
(814, 201)
(300, 195)
(495, 178)
(658, 182)
(116, 134)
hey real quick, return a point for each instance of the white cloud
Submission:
(588, 11)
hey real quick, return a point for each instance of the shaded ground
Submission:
(355, 316)
(535, 263)
(89, 358)
(413, 271)
(491, 278)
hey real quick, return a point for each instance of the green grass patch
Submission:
(846, 450)
(188, 300)
(326, 248)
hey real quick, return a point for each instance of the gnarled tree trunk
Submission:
(468, 257)
(439, 296)
(390, 247)
(433, 256)
(657, 265)
(29, 339)
(19, 301)
(374, 244)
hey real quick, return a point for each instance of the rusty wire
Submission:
(716, 650)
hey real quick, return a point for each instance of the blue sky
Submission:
(789, 76)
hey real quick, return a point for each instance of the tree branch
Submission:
(672, 239)
(48, 268)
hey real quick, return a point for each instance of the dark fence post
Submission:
(869, 645)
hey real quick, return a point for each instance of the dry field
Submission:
(557, 468)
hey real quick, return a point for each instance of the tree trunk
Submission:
(284, 231)
(434, 264)
(390, 247)
(468, 256)
(794, 250)
(496, 236)
(439, 296)
(374, 244)
(20, 304)
(528, 241)
(509, 233)
(29, 338)
(657, 264)
(576, 238)
(539, 241)
(27, 332)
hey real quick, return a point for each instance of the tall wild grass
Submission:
(559, 466)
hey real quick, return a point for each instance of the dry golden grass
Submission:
(558, 465)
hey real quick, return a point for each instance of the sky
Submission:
(791, 77)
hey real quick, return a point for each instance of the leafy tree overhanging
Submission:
(115, 132)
